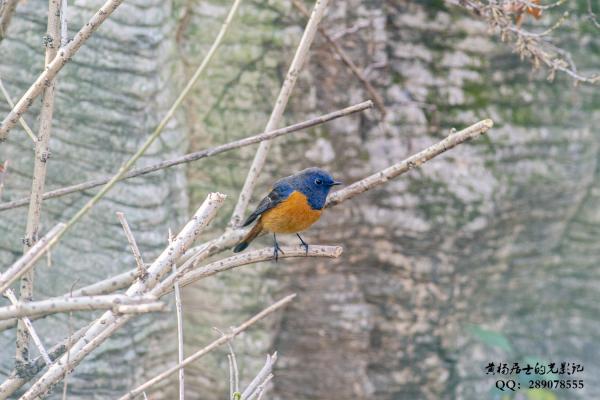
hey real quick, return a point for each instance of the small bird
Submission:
(294, 204)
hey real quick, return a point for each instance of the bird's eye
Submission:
(318, 181)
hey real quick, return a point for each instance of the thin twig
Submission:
(28, 326)
(28, 260)
(282, 99)
(3, 173)
(19, 377)
(52, 69)
(22, 121)
(261, 389)
(411, 162)
(6, 13)
(68, 304)
(155, 134)
(108, 323)
(219, 342)
(141, 269)
(199, 154)
(40, 163)
(189, 274)
(179, 311)
(379, 103)
(260, 377)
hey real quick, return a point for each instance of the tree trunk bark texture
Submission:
(109, 98)
(496, 235)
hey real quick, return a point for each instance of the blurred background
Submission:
(485, 254)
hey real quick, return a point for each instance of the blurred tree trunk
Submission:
(460, 241)
(110, 96)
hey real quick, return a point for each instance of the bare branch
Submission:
(219, 342)
(108, 323)
(260, 378)
(3, 173)
(199, 154)
(25, 263)
(154, 306)
(6, 12)
(28, 326)
(277, 113)
(411, 162)
(188, 274)
(179, 310)
(141, 269)
(67, 304)
(52, 69)
(42, 154)
(19, 377)
(348, 61)
(22, 121)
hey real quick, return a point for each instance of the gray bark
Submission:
(109, 98)
(488, 235)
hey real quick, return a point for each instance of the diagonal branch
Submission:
(219, 342)
(282, 99)
(411, 162)
(54, 67)
(108, 323)
(199, 154)
(379, 103)
(28, 260)
(6, 13)
(22, 121)
(141, 269)
(28, 326)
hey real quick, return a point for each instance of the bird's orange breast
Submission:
(292, 215)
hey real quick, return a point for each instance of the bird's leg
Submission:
(303, 243)
(276, 248)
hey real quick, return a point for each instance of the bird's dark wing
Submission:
(280, 192)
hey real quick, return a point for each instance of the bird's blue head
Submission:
(315, 184)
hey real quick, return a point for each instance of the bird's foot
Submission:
(303, 243)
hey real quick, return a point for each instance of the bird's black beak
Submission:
(335, 183)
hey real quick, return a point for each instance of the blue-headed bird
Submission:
(294, 204)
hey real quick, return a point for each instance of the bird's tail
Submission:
(250, 236)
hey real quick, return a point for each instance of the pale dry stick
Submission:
(282, 99)
(411, 162)
(22, 121)
(219, 342)
(234, 378)
(141, 269)
(379, 103)
(179, 311)
(155, 134)
(18, 378)
(260, 377)
(28, 260)
(191, 273)
(52, 69)
(3, 173)
(28, 326)
(40, 163)
(155, 306)
(68, 304)
(108, 323)
(70, 320)
(6, 13)
(199, 154)
(261, 389)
